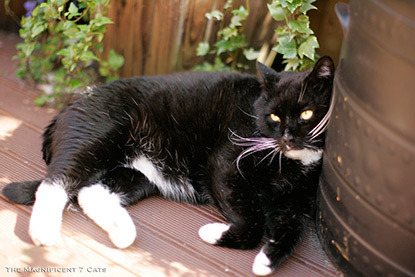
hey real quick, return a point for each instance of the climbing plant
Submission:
(295, 41)
(62, 46)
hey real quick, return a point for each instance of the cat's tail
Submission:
(21, 192)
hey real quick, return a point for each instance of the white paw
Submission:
(44, 232)
(211, 233)
(122, 232)
(104, 207)
(262, 264)
(46, 218)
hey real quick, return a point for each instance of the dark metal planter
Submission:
(367, 188)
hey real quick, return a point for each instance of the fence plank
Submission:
(161, 36)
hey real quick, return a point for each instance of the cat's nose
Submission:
(288, 139)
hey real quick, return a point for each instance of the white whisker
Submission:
(321, 127)
(275, 151)
(254, 145)
(266, 156)
(279, 160)
(248, 114)
(303, 88)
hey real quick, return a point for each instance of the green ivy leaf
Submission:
(38, 28)
(227, 33)
(228, 4)
(241, 12)
(26, 48)
(218, 65)
(88, 56)
(277, 12)
(307, 64)
(216, 15)
(21, 72)
(59, 75)
(41, 100)
(292, 64)
(235, 21)
(202, 49)
(307, 48)
(99, 21)
(287, 47)
(301, 25)
(99, 47)
(306, 6)
(115, 60)
(224, 46)
(63, 52)
(59, 2)
(75, 84)
(72, 11)
(291, 5)
(104, 71)
(72, 32)
(250, 54)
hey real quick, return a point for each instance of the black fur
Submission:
(21, 192)
(193, 127)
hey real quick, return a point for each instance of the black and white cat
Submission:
(250, 145)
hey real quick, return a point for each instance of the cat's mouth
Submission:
(290, 150)
(288, 146)
(300, 153)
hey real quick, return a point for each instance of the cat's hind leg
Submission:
(105, 201)
(46, 218)
(105, 209)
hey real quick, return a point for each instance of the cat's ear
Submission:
(323, 69)
(266, 74)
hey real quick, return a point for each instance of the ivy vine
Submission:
(63, 46)
(295, 40)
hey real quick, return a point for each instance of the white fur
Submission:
(212, 233)
(104, 207)
(306, 156)
(325, 71)
(183, 191)
(46, 219)
(261, 266)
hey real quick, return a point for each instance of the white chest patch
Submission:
(306, 156)
(181, 192)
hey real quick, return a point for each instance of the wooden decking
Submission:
(167, 243)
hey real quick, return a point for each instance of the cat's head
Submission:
(294, 109)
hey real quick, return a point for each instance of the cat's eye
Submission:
(275, 117)
(306, 115)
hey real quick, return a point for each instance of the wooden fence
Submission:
(161, 36)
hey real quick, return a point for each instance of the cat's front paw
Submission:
(212, 233)
(262, 264)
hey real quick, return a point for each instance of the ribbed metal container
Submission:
(367, 188)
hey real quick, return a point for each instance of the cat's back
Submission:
(187, 99)
(186, 92)
(189, 84)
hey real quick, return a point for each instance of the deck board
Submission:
(167, 243)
